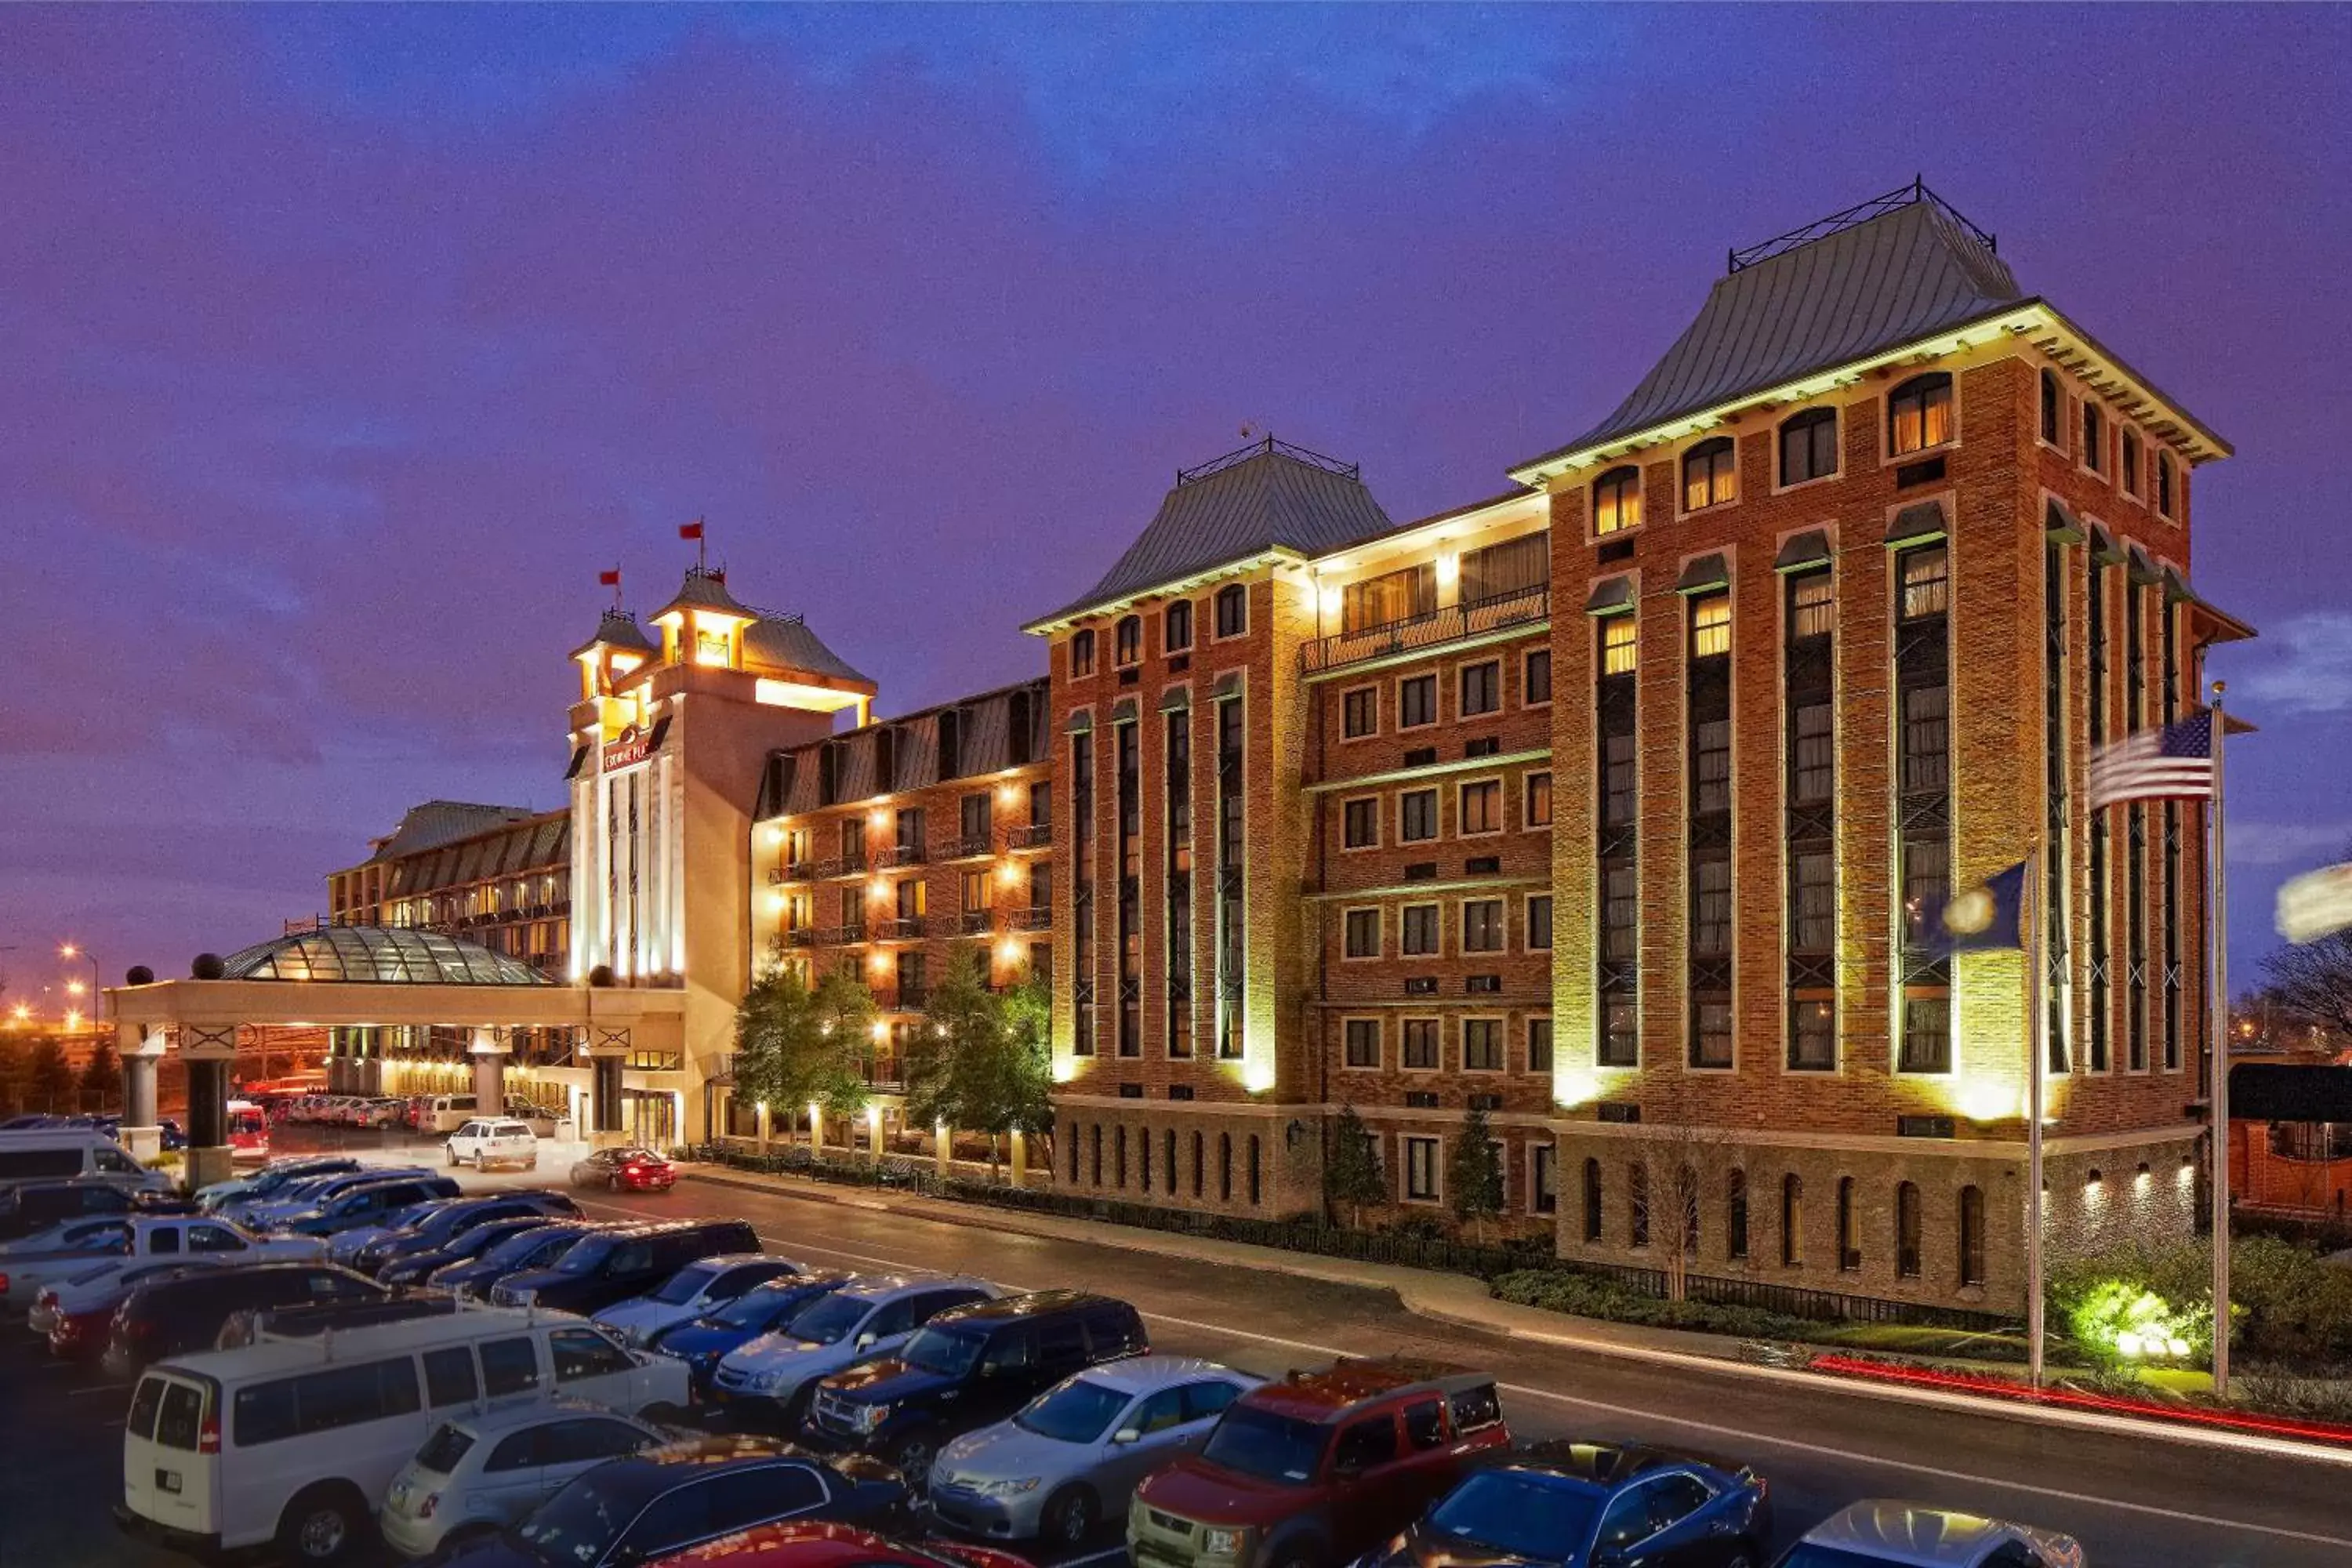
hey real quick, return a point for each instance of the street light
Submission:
(75, 950)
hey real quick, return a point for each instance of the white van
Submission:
(61, 1153)
(446, 1113)
(219, 1453)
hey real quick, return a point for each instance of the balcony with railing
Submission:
(908, 928)
(837, 936)
(891, 855)
(1029, 836)
(852, 865)
(975, 922)
(886, 1073)
(902, 998)
(1032, 916)
(796, 871)
(1416, 633)
(969, 847)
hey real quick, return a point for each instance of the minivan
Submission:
(292, 1442)
(445, 1113)
(618, 1264)
(51, 1155)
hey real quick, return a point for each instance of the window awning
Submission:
(1123, 710)
(2140, 568)
(2176, 588)
(1175, 700)
(1229, 684)
(1803, 552)
(1611, 596)
(2061, 523)
(1705, 573)
(1081, 722)
(1918, 523)
(2104, 549)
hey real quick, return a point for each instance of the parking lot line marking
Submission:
(1821, 1451)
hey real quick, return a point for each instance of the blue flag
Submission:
(1987, 916)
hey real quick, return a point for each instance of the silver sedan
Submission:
(1072, 1457)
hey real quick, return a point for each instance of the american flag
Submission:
(2172, 763)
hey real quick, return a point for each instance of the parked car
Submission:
(630, 1170)
(1867, 1533)
(39, 1205)
(967, 1367)
(769, 1380)
(171, 1317)
(1563, 1501)
(58, 1153)
(271, 1179)
(628, 1260)
(764, 1309)
(246, 1325)
(74, 1312)
(292, 1441)
(364, 1205)
(415, 1267)
(446, 1113)
(702, 1286)
(678, 1497)
(479, 1473)
(1318, 1469)
(448, 1221)
(310, 1193)
(493, 1140)
(345, 1246)
(537, 1248)
(149, 1237)
(835, 1546)
(1071, 1458)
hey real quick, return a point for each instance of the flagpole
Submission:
(2217, 942)
(2037, 1047)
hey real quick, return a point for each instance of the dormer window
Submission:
(1617, 501)
(712, 646)
(1919, 414)
(1127, 641)
(1809, 446)
(1710, 474)
(1082, 653)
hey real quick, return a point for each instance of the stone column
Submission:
(942, 1148)
(209, 1052)
(489, 1054)
(1021, 1159)
(816, 1130)
(874, 1134)
(762, 1112)
(141, 1132)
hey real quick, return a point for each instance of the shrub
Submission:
(2287, 1302)
(1587, 1297)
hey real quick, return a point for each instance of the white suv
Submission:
(484, 1142)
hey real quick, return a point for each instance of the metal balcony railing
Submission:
(1035, 917)
(840, 865)
(1029, 836)
(974, 922)
(895, 854)
(967, 847)
(1415, 633)
(905, 930)
(837, 936)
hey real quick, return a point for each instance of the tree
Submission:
(101, 1077)
(1474, 1174)
(2312, 982)
(1353, 1174)
(796, 1047)
(51, 1079)
(1681, 1163)
(981, 1061)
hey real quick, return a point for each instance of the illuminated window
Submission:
(1926, 581)
(976, 891)
(1919, 414)
(711, 648)
(1809, 446)
(1126, 640)
(1176, 634)
(1538, 788)
(1481, 806)
(1710, 474)
(1812, 606)
(1617, 501)
(1399, 596)
(2051, 407)
(1711, 626)
(1618, 646)
(1082, 653)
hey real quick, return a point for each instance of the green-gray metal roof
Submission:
(377, 954)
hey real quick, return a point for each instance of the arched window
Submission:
(1849, 1227)
(1233, 610)
(1225, 1167)
(2094, 438)
(1735, 1215)
(1710, 474)
(1073, 1135)
(1098, 1143)
(2050, 404)
(2131, 463)
(1118, 1146)
(1143, 1160)
(1637, 1203)
(1200, 1165)
(1617, 501)
(2163, 484)
(1906, 1230)
(1919, 414)
(1792, 1220)
(1254, 1170)
(1593, 1200)
(1972, 1235)
(1126, 640)
(1082, 653)
(1168, 1145)
(1809, 446)
(1176, 635)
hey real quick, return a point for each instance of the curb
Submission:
(1427, 1304)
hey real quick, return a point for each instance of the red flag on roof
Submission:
(690, 530)
(609, 579)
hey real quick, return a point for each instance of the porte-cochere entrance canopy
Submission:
(391, 954)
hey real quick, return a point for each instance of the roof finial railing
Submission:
(1915, 193)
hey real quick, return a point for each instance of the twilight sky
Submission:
(340, 348)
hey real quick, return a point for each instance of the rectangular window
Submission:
(1544, 1180)
(1617, 649)
(1363, 933)
(1812, 1036)
(1538, 790)
(1539, 922)
(1233, 610)
(1617, 797)
(1419, 930)
(1417, 816)
(976, 891)
(1926, 1034)
(1926, 739)
(1540, 1044)
(1812, 762)
(1481, 687)
(1620, 1045)
(1813, 901)
(1482, 925)
(1711, 765)
(1362, 1042)
(1926, 581)
(1082, 654)
(1711, 626)
(1621, 909)
(1421, 1169)
(1926, 883)
(1399, 596)
(976, 815)
(1482, 1044)
(1359, 821)
(1481, 807)
(1812, 606)
(1711, 904)
(1711, 1033)
(1515, 566)
(1416, 701)
(1360, 712)
(1535, 686)
(1420, 1045)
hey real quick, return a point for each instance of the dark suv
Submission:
(618, 1264)
(37, 1206)
(447, 1222)
(967, 1367)
(176, 1316)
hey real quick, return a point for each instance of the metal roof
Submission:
(440, 822)
(378, 954)
(786, 640)
(705, 589)
(1914, 269)
(1266, 496)
(617, 628)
